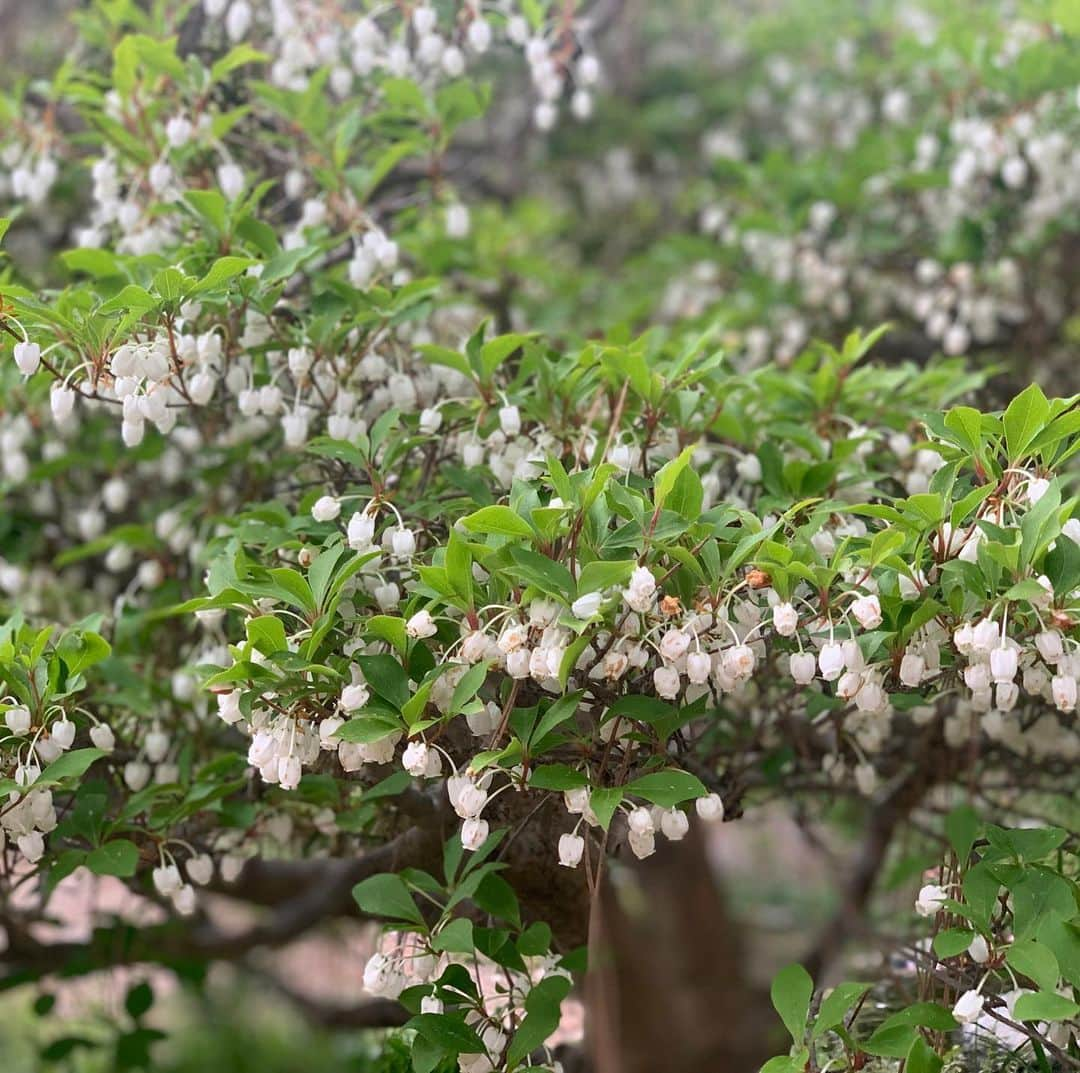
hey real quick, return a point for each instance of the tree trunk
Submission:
(668, 989)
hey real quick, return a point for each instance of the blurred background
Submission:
(785, 170)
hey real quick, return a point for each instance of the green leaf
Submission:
(1024, 419)
(795, 1063)
(69, 766)
(535, 940)
(543, 1010)
(468, 686)
(388, 628)
(952, 941)
(456, 937)
(171, 284)
(667, 788)
(82, 649)
(497, 897)
(267, 634)
(1044, 1006)
(292, 587)
(131, 297)
(495, 351)
(366, 729)
(447, 1031)
(962, 828)
(405, 94)
(965, 423)
(139, 999)
(451, 359)
(557, 777)
(221, 271)
(791, 992)
(920, 1014)
(547, 575)
(1035, 961)
(238, 56)
(835, 1006)
(599, 575)
(98, 263)
(604, 801)
(1064, 940)
(922, 1058)
(668, 474)
(386, 677)
(500, 520)
(387, 895)
(116, 858)
(563, 709)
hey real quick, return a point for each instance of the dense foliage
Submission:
(425, 495)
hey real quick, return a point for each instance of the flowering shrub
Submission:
(334, 585)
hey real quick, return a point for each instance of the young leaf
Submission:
(791, 992)
(387, 895)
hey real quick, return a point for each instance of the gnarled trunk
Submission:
(668, 989)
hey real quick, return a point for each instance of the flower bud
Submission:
(18, 720)
(584, 607)
(415, 758)
(61, 403)
(912, 669)
(710, 808)
(510, 422)
(978, 950)
(403, 543)
(136, 775)
(785, 619)
(666, 682)
(931, 899)
(802, 667)
(1050, 645)
(642, 845)
(831, 661)
(674, 644)
(571, 850)
(698, 667)
(641, 821)
(739, 661)
(200, 869)
(968, 1007)
(421, 625)
(470, 800)
(31, 846)
(474, 834)
(361, 530)
(185, 901)
(27, 357)
(674, 823)
(1063, 688)
(1003, 664)
(326, 508)
(167, 879)
(867, 612)
(977, 677)
(62, 733)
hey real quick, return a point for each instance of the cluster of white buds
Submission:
(404, 961)
(375, 253)
(281, 746)
(1020, 170)
(25, 820)
(169, 883)
(27, 177)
